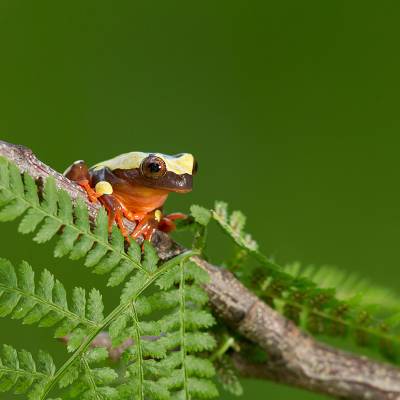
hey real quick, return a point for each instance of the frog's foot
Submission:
(167, 224)
(146, 226)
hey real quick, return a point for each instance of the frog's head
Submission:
(173, 173)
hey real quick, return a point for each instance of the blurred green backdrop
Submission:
(290, 107)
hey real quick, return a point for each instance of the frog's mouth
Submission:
(179, 183)
(170, 181)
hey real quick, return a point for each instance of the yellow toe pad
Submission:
(103, 187)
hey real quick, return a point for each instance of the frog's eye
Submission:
(153, 167)
(195, 167)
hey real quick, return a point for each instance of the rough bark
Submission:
(294, 357)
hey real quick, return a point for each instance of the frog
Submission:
(135, 185)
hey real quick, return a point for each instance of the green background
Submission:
(290, 107)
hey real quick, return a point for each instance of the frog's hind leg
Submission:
(167, 223)
(79, 172)
(149, 223)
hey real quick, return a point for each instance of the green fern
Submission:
(321, 300)
(155, 369)
(47, 304)
(227, 376)
(158, 367)
(90, 378)
(20, 373)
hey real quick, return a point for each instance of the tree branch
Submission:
(294, 358)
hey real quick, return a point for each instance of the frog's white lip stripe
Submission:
(180, 164)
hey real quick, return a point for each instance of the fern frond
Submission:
(134, 288)
(55, 215)
(166, 365)
(228, 377)
(321, 300)
(184, 331)
(92, 379)
(45, 303)
(348, 286)
(21, 374)
(234, 224)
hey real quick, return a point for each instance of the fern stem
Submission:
(110, 318)
(228, 342)
(182, 308)
(36, 374)
(90, 378)
(138, 344)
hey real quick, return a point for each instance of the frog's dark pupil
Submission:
(154, 167)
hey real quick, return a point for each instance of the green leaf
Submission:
(82, 216)
(30, 221)
(170, 278)
(12, 210)
(133, 287)
(200, 214)
(199, 341)
(79, 301)
(200, 367)
(95, 306)
(48, 229)
(66, 242)
(50, 197)
(135, 252)
(120, 273)
(150, 258)
(202, 388)
(227, 376)
(237, 221)
(16, 184)
(233, 225)
(95, 255)
(31, 190)
(96, 355)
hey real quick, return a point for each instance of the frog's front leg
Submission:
(115, 213)
(79, 172)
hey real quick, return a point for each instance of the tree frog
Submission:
(136, 185)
